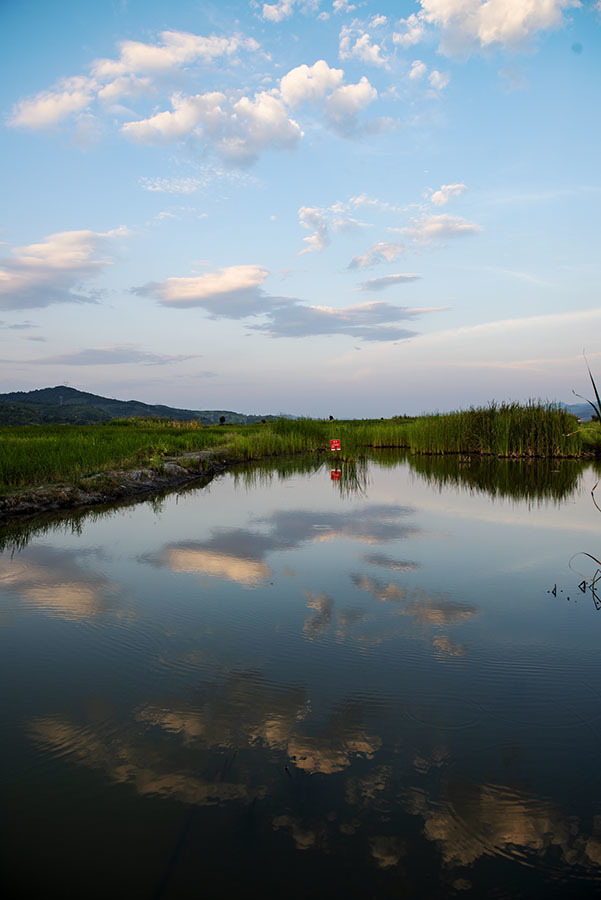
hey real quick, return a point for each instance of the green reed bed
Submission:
(507, 429)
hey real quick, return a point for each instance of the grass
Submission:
(37, 454)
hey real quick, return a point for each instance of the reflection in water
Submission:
(202, 561)
(239, 554)
(538, 480)
(425, 609)
(53, 582)
(474, 821)
(394, 711)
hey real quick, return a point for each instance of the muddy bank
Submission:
(113, 485)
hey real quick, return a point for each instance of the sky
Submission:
(357, 209)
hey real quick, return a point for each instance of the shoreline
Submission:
(113, 485)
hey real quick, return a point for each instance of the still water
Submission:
(386, 684)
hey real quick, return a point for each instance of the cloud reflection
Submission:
(239, 554)
(51, 581)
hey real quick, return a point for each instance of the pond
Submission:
(377, 678)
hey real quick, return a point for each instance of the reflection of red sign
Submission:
(335, 445)
(336, 473)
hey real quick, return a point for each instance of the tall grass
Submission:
(507, 429)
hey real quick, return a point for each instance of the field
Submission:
(34, 455)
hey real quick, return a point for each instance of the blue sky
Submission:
(358, 209)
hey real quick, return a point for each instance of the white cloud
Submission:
(442, 196)
(48, 108)
(258, 124)
(377, 21)
(418, 70)
(312, 217)
(309, 83)
(438, 80)
(360, 47)
(129, 75)
(124, 86)
(240, 131)
(509, 23)
(378, 253)
(283, 9)
(412, 31)
(429, 229)
(178, 48)
(53, 270)
(187, 114)
(234, 292)
(275, 12)
(344, 104)
(343, 6)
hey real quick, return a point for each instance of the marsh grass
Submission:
(34, 455)
(507, 429)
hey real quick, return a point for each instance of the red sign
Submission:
(336, 473)
(335, 445)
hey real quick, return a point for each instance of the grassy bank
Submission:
(33, 455)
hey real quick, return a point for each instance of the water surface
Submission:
(380, 684)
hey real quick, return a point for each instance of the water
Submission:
(386, 685)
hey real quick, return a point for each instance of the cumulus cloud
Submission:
(442, 196)
(314, 218)
(257, 124)
(309, 83)
(381, 252)
(176, 49)
(418, 70)
(239, 131)
(483, 23)
(109, 356)
(345, 103)
(359, 45)
(412, 31)
(236, 293)
(186, 115)
(54, 270)
(275, 12)
(438, 80)
(379, 284)
(131, 74)
(429, 229)
(283, 9)
(48, 108)
(343, 6)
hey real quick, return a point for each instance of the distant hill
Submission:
(581, 410)
(66, 405)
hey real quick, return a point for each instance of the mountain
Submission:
(66, 405)
(580, 410)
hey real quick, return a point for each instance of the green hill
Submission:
(66, 405)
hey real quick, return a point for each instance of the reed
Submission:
(507, 429)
